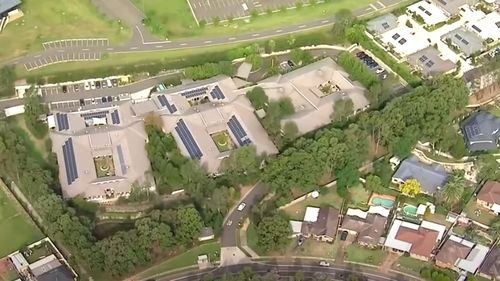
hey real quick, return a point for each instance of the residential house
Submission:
(431, 177)
(417, 240)
(452, 7)
(429, 12)
(489, 196)
(481, 131)
(382, 23)
(491, 265)
(320, 223)
(368, 227)
(50, 269)
(467, 42)
(429, 62)
(461, 255)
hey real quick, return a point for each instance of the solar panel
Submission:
(194, 93)
(429, 63)
(428, 13)
(385, 25)
(188, 140)
(59, 122)
(476, 28)
(98, 114)
(115, 118)
(238, 131)
(421, 8)
(217, 93)
(163, 100)
(69, 161)
(62, 121)
(423, 58)
(119, 150)
(458, 36)
(465, 42)
(473, 130)
(396, 36)
(402, 41)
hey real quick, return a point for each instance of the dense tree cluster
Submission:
(208, 70)
(273, 233)
(34, 110)
(7, 80)
(258, 98)
(420, 114)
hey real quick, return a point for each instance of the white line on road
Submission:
(255, 35)
(231, 38)
(183, 44)
(37, 56)
(279, 30)
(207, 42)
(85, 49)
(302, 26)
(325, 21)
(110, 49)
(60, 51)
(133, 48)
(158, 46)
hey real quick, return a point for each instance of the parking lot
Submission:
(75, 104)
(73, 43)
(209, 9)
(59, 57)
(82, 86)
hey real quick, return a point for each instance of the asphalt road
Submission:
(230, 232)
(141, 43)
(289, 269)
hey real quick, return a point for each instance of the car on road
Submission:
(92, 85)
(229, 223)
(86, 85)
(324, 263)
(242, 206)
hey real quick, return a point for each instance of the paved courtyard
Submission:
(224, 9)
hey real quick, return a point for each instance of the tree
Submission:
(411, 188)
(347, 177)
(285, 107)
(258, 98)
(271, 44)
(342, 109)
(452, 193)
(33, 110)
(374, 183)
(7, 80)
(343, 20)
(188, 225)
(255, 60)
(301, 57)
(383, 170)
(273, 233)
(495, 228)
(242, 165)
(488, 168)
(290, 132)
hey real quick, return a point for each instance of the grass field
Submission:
(359, 197)
(187, 258)
(176, 20)
(409, 265)
(297, 211)
(16, 228)
(53, 20)
(357, 253)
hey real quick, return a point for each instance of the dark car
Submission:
(290, 63)
(115, 82)
(65, 89)
(343, 235)
(98, 84)
(110, 98)
(361, 54)
(103, 99)
(82, 102)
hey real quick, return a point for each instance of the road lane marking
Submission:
(183, 44)
(325, 21)
(231, 38)
(279, 30)
(85, 49)
(158, 46)
(133, 48)
(110, 49)
(255, 35)
(302, 26)
(208, 41)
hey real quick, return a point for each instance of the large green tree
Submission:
(188, 225)
(342, 109)
(242, 165)
(453, 190)
(273, 233)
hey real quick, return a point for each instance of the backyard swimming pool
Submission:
(384, 202)
(410, 210)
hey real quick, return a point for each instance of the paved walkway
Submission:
(390, 259)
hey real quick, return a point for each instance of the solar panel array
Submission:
(164, 102)
(472, 130)
(476, 28)
(98, 114)
(238, 131)
(119, 150)
(188, 140)
(385, 25)
(396, 36)
(423, 58)
(217, 93)
(115, 118)
(195, 93)
(62, 121)
(69, 161)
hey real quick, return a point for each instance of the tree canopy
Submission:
(273, 233)
(411, 187)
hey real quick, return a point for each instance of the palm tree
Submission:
(453, 190)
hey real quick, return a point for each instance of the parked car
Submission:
(114, 82)
(229, 223)
(301, 240)
(109, 83)
(343, 235)
(361, 54)
(92, 85)
(104, 84)
(290, 63)
(65, 89)
(242, 206)
(103, 99)
(324, 263)
(110, 98)
(86, 85)
(98, 84)
(76, 88)
(82, 102)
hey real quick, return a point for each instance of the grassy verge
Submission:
(187, 258)
(176, 21)
(357, 253)
(16, 226)
(54, 20)
(409, 265)
(252, 239)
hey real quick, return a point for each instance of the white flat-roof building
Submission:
(404, 40)
(430, 12)
(311, 214)
(488, 28)
(313, 90)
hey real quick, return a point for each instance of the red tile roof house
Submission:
(452, 251)
(418, 240)
(489, 196)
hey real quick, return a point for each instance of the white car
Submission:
(92, 85)
(86, 85)
(324, 263)
(229, 223)
(242, 206)
(379, 70)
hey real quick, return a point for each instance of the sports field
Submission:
(46, 20)
(16, 228)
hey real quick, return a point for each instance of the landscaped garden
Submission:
(104, 166)
(223, 141)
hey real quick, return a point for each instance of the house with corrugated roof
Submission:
(459, 254)
(481, 131)
(367, 226)
(430, 176)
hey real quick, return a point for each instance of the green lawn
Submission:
(297, 211)
(40, 252)
(223, 141)
(252, 239)
(53, 20)
(314, 248)
(359, 197)
(485, 217)
(409, 265)
(495, 110)
(176, 20)
(187, 258)
(357, 253)
(16, 228)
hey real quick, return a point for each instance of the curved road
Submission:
(136, 46)
(289, 269)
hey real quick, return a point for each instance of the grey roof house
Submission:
(383, 23)
(429, 62)
(467, 42)
(452, 7)
(431, 177)
(325, 226)
(481, 131)
(8, 5)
